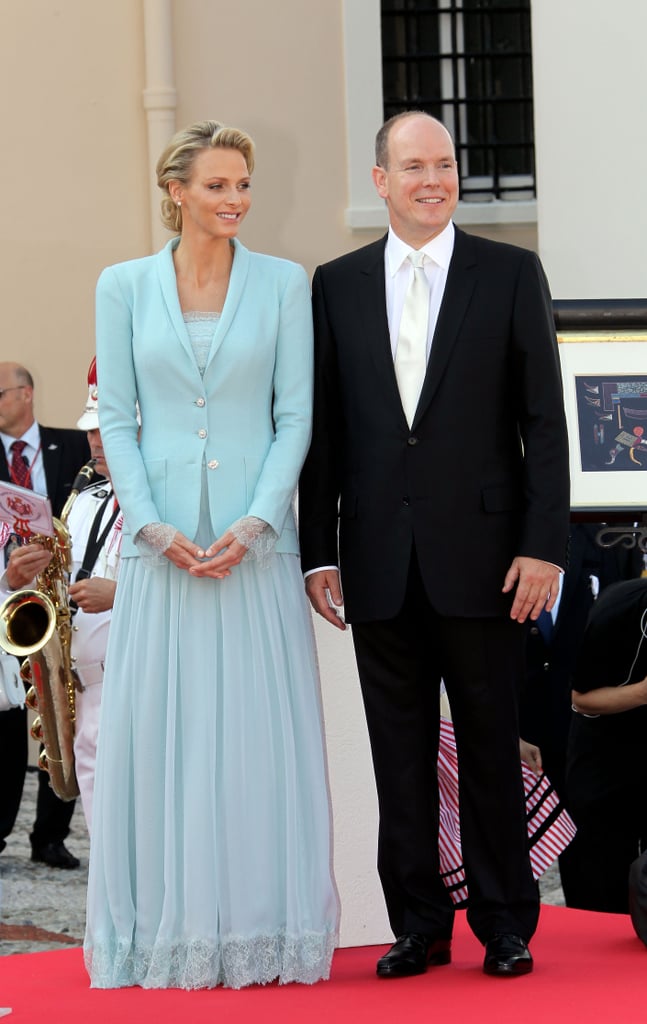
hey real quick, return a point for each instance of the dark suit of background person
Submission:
(606, 766)
(63, 453)
(430, 519)
(545, 709)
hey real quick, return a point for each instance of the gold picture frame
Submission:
(605, 396)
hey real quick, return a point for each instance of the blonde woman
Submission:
(210, 859)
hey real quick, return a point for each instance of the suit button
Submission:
(202, 433)
(412, 440)
(199, 402)
(546, 666)
(213, 464)
(405, 500)
(534, 631)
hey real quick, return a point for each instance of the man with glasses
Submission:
(46, 460)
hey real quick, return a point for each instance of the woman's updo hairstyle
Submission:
(176, 162)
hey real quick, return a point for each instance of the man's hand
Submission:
(322, 588)
(93, 595)
(537, 586)
(25, 563)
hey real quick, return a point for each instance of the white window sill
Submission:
(497, 211)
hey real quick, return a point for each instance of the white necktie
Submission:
(411, 349)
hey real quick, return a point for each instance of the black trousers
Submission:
(53, 816)
(401, 662)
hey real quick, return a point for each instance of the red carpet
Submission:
(589, 968)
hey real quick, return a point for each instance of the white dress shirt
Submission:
(398, 273)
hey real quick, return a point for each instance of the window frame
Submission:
(364, 115)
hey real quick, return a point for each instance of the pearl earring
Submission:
(179, 203)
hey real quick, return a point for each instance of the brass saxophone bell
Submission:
(27, 622)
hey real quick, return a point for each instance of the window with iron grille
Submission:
(469, 64)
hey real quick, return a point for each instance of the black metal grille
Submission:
(469, 64)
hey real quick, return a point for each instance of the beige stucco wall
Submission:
(70, 78)
(591, 143)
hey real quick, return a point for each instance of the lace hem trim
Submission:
(200, 963)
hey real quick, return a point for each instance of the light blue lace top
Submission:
(201, 328)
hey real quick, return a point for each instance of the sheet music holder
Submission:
(26, 512)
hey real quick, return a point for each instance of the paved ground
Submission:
(43, 908)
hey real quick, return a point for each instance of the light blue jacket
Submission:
(248, 419)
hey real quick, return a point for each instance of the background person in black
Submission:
(551, 656)
(545, 710)
(606, 768)
(52, 457)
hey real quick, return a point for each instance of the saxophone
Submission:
(37, 625)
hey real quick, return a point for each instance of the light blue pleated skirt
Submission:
(211, 852)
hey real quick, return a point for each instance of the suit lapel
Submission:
(461, 279)
(51, 452)
(372, 298)
(4, 468)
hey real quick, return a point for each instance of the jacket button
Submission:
(199, 402)
(405, 500)
(213, 464)
(202, 433)
(412, 440)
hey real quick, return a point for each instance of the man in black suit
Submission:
(449, 523)
(50, 458)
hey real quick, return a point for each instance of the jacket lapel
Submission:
(51, 452)
(461, 279)
(168, 284)
(372, 298)
(237, 280)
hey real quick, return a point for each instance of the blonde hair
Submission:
(176, 162)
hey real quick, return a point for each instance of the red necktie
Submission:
(20, 469)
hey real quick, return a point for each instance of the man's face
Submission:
(420, 184)
(16, 403)
(96, 451)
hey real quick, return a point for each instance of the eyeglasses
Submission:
(17, 387)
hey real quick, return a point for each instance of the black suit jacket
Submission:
(64, 452)
(481, 476)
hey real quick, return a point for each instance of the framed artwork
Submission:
(605, 396)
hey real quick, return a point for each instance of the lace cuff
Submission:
(258, 537)
(153, 540)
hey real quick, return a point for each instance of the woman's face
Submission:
(217, 197)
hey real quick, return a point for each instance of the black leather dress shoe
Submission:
(56, 855)
(412, 954)
(507, 955)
